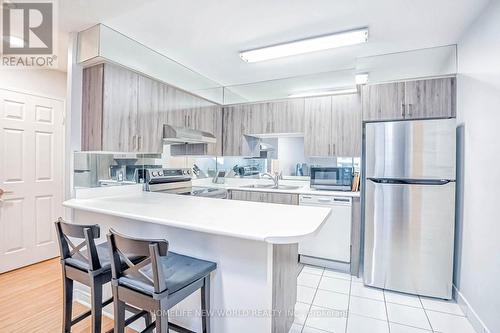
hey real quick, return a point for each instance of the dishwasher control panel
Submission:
(305, 199)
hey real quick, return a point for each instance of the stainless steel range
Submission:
(176, 181)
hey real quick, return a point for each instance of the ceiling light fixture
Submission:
(343, 91)
(361, 78)
(314, 44)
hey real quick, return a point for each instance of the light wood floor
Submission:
(31, 301)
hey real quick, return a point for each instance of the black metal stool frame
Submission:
(95, 277)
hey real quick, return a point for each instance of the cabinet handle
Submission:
(134, 145)
(403, 110)
(139, 142)
(410, 108)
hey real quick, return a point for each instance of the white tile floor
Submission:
(334, 302)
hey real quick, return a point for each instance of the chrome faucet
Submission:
(275, 178)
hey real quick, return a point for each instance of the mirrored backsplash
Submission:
(279, 154)
(98, 169)
(284, 155)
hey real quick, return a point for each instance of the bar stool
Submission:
(157, 283)
(90, 265)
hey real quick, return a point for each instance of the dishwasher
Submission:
(331, 245)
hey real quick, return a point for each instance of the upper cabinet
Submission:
(346, 125)
(243, 121)
(420, 99)
(332, 126)
(430, 98)
(125, 112)
(383, 101)
(318, 126)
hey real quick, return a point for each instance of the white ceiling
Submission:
(206, 36)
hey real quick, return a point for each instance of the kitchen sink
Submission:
(272, 186)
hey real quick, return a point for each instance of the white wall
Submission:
(478, 273)
(43, 82)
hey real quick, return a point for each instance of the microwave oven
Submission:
(331, 178)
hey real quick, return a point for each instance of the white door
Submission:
(31, 177)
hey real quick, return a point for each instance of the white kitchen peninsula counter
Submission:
(276, 224)
(254, 245)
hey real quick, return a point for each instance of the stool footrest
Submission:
(149, 328)
(171, 326)
(80, 317)
(87, 313)
(108, 301)
(135, 317)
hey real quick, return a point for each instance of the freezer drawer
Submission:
(333, 240)
(418, 149)
(409, 236)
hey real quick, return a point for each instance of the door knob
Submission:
(2, 192)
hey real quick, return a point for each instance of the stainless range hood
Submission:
(181, 135)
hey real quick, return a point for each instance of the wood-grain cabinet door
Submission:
(92, 99)
(282, 198)
(270, 197)
(318, 126)
(208, 119)
(434, 98)
(383, 101)
(232, 131)
(150, 119)
(249, 196)
(286, 116)
(237, 124)
(346, 125)
(120, 117)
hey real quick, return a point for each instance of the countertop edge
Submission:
(73, 204)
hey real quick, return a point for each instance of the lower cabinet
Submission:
(271, 197)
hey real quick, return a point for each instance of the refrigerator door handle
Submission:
(411, 181)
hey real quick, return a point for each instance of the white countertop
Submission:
(272, 223)
(237, 183)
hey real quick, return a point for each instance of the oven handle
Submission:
(169, 180)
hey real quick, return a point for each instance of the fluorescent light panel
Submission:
(340, 39)
(325, 92)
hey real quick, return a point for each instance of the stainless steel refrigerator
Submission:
(409, 206)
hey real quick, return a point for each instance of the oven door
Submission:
(169, 186)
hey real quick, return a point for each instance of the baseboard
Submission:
(331, 264)
(469, 312)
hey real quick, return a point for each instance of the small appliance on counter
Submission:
(247, 171)
(301, 169)
(332, 178)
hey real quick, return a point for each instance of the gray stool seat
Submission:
(179, 272)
